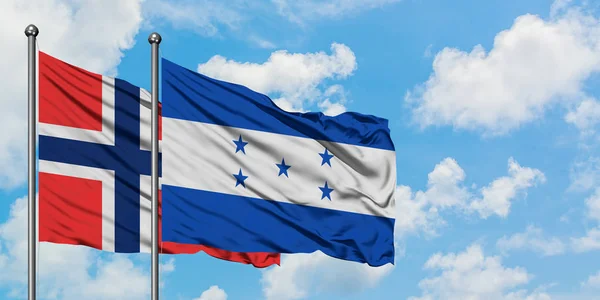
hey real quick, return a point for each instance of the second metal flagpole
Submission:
(31, 32)
(154, 39)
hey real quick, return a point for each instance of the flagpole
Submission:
(154, 39)
(31, 32)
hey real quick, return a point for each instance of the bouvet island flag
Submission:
(240, 174)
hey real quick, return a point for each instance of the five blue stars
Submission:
(239, 145)
(326, 191)
(326, 157)
(240, 178)
(283, 168)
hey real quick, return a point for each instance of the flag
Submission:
(243, 175)
(95, 167)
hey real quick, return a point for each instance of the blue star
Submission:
(283, 168)
(240, 179)
(239, 145)
(326, 157)
(326, 191)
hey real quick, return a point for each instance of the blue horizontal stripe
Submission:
(244, 224)
(188, 95)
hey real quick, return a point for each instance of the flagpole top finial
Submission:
(154, 38)
(31, 30)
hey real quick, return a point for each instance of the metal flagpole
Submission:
(154, 39)
(31, 32)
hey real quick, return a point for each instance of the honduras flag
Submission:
(240, 174)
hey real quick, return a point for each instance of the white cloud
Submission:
(427, 53)
(525, 295)
(116, 278)
(559, 6)
(415, 214)
(497, 196)
(165, 268)
(287, 105)
(592, 204)
(335, 99)
(532, 239)
(589, 242)
(293, 78)
(331, 109)
(420, 211)
(586, 116)
(302, 11)
(70, 31)
(216, 18)
(201, 16)
(532, 66)
(585, 174)
(446, 190)
(261, 42)
(213, 293)
(472, 275)
(64, 271)
(301, 275)
(168, 266)
(592, 282)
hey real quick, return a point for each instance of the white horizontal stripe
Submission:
(106, 136)
(107, 177)
(202, 156)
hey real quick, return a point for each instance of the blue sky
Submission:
(493, 111)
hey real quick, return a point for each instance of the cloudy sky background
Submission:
(493, 108)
